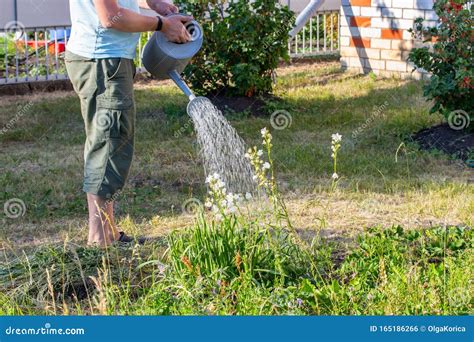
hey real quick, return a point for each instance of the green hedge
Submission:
(450, 61)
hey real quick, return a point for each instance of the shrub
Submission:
(450, 61)
(243, 43)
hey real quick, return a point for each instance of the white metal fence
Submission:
(319, 36)
(29, 55)
(37, 54)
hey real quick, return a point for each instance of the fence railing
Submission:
(29, 55)
(319, 36)
(37, 54)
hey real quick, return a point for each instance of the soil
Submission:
(459, 144)
(80, 290)
(256, 106)
(35, 87)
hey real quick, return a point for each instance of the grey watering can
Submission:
(164, 59)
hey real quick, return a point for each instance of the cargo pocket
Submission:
(117, 117)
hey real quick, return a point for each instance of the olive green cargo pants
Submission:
(105, 89)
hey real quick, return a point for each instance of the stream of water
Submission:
(221, 148)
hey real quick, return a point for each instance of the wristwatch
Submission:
(159, 26)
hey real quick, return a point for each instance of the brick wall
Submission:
(374, 35)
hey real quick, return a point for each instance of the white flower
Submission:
(254, 177)
(266, 165)
(218, 217)
(335, 176)
(230, 197)
(248, 196)
(208, 204)
(336, 137)
(259, 153)
(233, 210)
(267, 137)
(246, 155)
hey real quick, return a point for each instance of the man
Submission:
(99, 62)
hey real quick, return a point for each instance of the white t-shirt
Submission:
(89, 39)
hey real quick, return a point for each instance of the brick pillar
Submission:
(374, 35)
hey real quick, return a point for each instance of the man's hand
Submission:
(174, 29)
(162, 7)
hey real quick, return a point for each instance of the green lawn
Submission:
(41, 158)
(385, 181)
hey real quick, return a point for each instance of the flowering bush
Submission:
(220, 201)
(243, 42)
(450, 61)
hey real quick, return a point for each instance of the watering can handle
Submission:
(192, 26)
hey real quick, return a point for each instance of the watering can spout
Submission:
(176, 77)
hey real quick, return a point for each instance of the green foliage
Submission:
(397, 271)
(243, 43)
(225, 250)
(7, 46)
(450, 60)
(388, 271)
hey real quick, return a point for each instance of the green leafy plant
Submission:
(449, 60)
(243, 42)
(229, 244)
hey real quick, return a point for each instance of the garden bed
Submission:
(35, 87)
(255, 105)
(456, 143)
